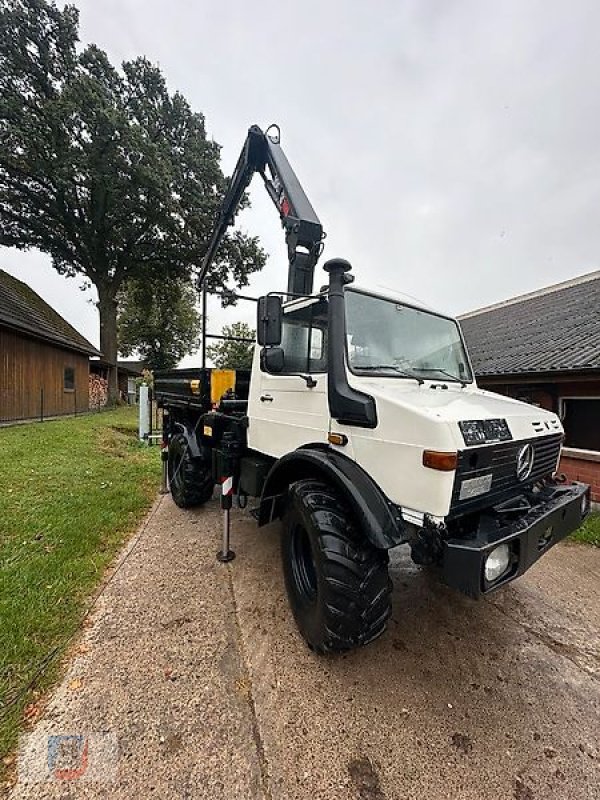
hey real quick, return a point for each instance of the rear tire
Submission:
(337, 583)
(190, 479)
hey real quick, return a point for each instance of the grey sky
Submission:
(451, 149)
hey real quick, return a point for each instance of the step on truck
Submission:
(361, 427)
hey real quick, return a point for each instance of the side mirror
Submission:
(269, 320)
(271, 359)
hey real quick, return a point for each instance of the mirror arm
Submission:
(310, 381)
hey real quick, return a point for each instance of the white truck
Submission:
(362, 427)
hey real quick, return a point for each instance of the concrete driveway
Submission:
(197, 671)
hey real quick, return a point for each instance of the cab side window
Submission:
(304, 339)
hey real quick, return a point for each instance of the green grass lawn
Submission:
(71, 491)
(589, 531)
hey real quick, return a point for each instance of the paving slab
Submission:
(199, 672)
(498, 698)
(160, 667)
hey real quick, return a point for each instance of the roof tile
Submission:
(22, 309)
(554, 330)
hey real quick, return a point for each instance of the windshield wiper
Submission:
(373, 367)
(443, 372)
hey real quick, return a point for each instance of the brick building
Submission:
(544, 348)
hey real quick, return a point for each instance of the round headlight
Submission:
(497, 563)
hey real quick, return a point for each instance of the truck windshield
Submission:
(389, 338)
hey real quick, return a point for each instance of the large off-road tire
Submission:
(190, 479)
(337, 583)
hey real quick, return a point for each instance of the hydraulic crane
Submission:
(304, 233)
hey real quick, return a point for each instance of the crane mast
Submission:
(304, 233)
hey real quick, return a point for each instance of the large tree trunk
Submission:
(107, 306)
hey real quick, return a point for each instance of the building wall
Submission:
(585, 468)
(577, 464)
(32, 378)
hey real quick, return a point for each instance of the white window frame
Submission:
(577, 452)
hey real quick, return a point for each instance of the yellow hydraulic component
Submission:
(220, 381)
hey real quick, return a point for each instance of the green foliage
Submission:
(102, 168)
(159, 320)
(145, 379)
(233, 355)
(71, 492)
(589, 533)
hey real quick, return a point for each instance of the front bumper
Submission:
(529, 535)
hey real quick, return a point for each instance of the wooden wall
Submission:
(28, 366)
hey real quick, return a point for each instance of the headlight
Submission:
(497, 563)
(484, 431)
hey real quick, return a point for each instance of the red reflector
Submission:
(285, 206)
(434, 459)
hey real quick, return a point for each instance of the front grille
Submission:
(500, 460)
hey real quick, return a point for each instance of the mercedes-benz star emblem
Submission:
(525, 462)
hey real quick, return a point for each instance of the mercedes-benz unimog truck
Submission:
(361, 427)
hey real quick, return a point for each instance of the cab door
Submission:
(284, 411)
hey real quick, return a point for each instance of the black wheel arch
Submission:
(377, 516)
(187, 429)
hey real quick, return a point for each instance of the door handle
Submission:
(266, 398)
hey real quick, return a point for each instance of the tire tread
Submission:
(357, 587)
(197, 484)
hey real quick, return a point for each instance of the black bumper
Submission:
(560, 511)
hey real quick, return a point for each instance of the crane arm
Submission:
(304, 234)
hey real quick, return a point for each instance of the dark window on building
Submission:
(304, 339)
(582, 423)
(69, 379)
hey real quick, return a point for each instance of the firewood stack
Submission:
(98, 390)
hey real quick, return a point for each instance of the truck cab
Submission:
(413, 362)
(385, 384)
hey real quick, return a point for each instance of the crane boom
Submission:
(304, 233)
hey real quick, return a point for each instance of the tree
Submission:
(103, 169)
(233, 354)
(159, 320)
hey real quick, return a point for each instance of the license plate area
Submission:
(473, 487)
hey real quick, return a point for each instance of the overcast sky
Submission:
(451, 148)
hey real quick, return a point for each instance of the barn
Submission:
(544, 348)
(44, 361)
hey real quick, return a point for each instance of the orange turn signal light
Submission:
(337, 438)
(434, 459)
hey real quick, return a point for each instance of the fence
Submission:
(36, 404)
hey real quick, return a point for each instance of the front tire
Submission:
(190, 479)
(337, 583)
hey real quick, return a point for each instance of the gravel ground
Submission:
(197, 669)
